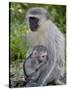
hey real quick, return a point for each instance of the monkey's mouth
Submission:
(33, 23)
(42, 61)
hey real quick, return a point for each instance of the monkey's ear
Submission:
(34, 53)
(47, 14)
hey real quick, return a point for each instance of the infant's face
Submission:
(41, 56)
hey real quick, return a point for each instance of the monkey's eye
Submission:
(43, 56)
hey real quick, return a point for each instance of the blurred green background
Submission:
(18, 27)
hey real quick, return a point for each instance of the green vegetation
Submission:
(18, 28)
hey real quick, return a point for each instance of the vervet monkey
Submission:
(33, 64)
(42, 31)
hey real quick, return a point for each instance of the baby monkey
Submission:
(39, 56)
(35, 62)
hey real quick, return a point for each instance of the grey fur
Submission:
(34, 63)
(49, 36)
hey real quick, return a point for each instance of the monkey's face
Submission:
(35, 16)
(33, 23)
(41, 56)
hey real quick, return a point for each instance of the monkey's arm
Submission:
(28, 70)
(32, 74)
(37, 71)
(39, 66)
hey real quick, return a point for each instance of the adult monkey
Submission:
(42, 31)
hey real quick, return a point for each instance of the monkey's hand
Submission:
(39, 66)
(58, 82)
(34, 76)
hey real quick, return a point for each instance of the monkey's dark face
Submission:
(33, 23)
(36, 18)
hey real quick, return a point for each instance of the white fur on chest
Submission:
(37, 38)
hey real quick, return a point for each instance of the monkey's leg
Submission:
(58, 82)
